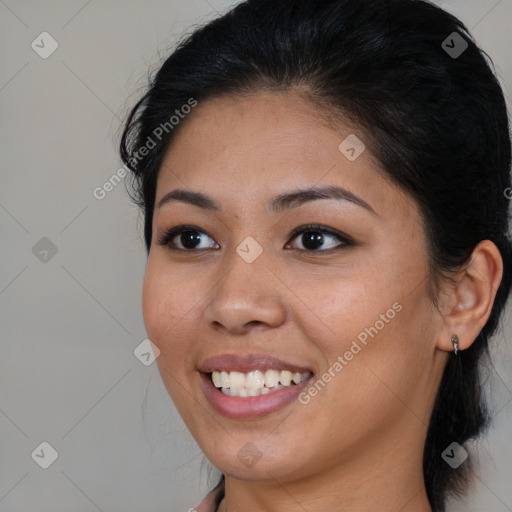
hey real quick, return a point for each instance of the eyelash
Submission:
(168, 235)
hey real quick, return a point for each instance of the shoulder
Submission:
(209, 502)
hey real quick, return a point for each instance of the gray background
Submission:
(70, 324)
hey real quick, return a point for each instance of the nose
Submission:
(248, 294)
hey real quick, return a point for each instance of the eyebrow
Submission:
(279, 204)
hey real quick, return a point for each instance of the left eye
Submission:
(314, 237)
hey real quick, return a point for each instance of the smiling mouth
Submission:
(255, 383)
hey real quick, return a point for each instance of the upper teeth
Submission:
(257, 379)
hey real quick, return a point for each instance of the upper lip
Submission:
(248, 363)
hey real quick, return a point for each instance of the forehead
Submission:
(243, 150)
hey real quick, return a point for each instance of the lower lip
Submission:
(252, 406)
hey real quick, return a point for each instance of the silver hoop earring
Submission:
(455, 342)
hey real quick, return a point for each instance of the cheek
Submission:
(166, 306)
(171, 306)
(354, 302)
(152, 305)
(160, 299)
(385, 344)
(377, 319)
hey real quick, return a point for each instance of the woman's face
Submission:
(353, 309)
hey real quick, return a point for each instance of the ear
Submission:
(468, 304)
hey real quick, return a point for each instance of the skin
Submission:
(360, 439)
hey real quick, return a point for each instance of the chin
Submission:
(263, 464)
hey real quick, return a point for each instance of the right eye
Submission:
(187, 236)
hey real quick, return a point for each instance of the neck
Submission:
(390, 478)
